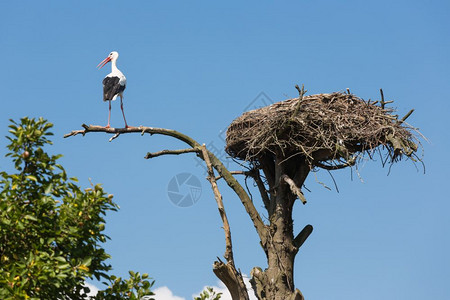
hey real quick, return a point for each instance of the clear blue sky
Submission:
(194, 66)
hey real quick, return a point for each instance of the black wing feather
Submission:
(111, 87)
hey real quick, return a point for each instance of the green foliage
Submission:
(134, 288)
(51, 231)
(209, 294)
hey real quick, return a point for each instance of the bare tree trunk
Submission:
(284, 178)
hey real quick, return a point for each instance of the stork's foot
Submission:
(108, 126)
(131, 127)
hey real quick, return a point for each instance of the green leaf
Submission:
(61, 259)
(31, 177)
(64, 266)
(30, 217)
(87, 261)
(48, 189)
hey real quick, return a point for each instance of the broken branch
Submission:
(302, 236)
(294, 188)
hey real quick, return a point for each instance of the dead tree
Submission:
(281, 144)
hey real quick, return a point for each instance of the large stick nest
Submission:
(330, 128)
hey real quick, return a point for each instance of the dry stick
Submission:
(382, 102)
(382, 99)
(406, 116)
(226, 227)
(174, 152)
(301, 93)
(294, 188)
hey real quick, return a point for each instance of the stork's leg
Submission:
(121, 107)
(109, 114)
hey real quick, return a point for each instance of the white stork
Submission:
(114, 84)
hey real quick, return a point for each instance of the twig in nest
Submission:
(382, 103)
(320, 182)
(406, 116)
(334, 181)
(348, 163)
(301, 93)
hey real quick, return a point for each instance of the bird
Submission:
(113, 85)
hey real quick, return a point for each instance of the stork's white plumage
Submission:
(114, 84)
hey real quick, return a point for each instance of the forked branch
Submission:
(195, 146)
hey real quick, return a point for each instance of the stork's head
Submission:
(111, 57)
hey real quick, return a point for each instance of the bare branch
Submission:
(171, 152)
(226, 227)
(294, 188)
(141, 129)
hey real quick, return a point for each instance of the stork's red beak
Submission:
(104, 62)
